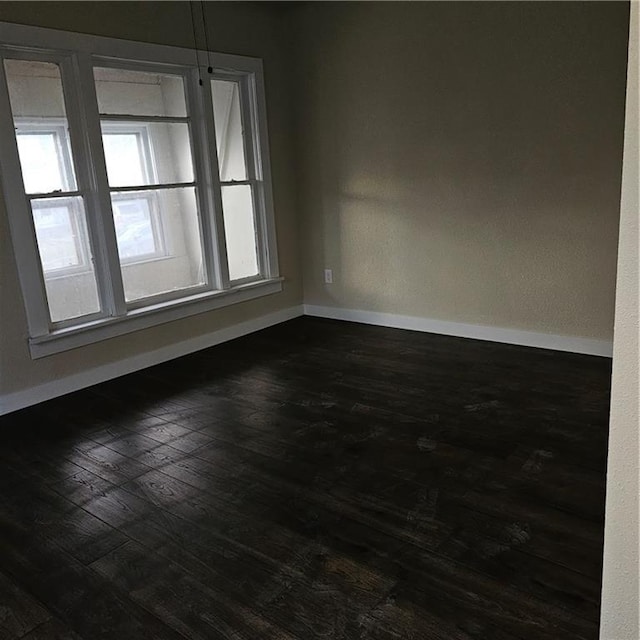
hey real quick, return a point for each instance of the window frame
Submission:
(76, 55)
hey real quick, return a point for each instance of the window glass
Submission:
(37, 102)
(139, 93)
(125, 158)
(141, 219)
(65, 257)
(135, 224)
(229, 132)
(140, 154)
(42, 166)
(240, 231)
(57, 238)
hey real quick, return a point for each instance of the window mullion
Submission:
(92, 172)
(208, 177)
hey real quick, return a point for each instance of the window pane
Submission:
(240, 231)
(41, 168)
(136, 226)
(229, 137)
(149, 153)
(125, 159)
(65, 255)
(39, 116)
(139, 93)
(57, 239)
(168, 221)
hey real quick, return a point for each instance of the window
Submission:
(127, 152)
(137, 184)
(45, 155)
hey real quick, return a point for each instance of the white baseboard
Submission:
(61, 386)
(461, 330)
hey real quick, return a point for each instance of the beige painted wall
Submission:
(455, 161)
(241, 28)
(462, 161)
(620, 592)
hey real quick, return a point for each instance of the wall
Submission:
(240, 28)
(455, 161)
(620, 597)
(462, 161)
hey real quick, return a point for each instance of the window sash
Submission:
(65, 198)
(251, 139)
(77, 54)
(141, 132)
(77, 223)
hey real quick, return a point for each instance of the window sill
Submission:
(137, 319)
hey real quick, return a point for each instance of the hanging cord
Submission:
(206, 36)
(195, 41)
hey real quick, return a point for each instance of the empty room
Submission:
(319, 320)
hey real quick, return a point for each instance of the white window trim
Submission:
(64, 339)
(77, 53)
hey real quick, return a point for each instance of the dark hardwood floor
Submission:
(316, 480)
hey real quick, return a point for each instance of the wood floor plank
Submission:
(19, 612)
(191, 607)
(318, 479)
(52, 630)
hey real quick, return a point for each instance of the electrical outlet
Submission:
(328, 276)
